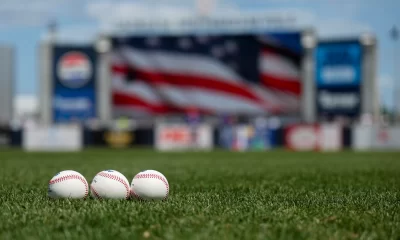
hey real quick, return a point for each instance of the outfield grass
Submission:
(218, 195)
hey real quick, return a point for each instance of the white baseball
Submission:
(110, 184)
(68, 184)
(150, 185)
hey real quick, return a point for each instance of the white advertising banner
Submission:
(330, 137)
(325, 137)
(54, 138)
(376, 138)
(362, 137)
(182, 137)
(386, 138)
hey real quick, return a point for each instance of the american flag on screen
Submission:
(242, 74)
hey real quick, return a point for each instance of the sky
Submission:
(23, 24)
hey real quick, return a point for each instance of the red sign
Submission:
(175, 134)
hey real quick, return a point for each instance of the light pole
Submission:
(309, 42)
(394, 34)
(103, 46)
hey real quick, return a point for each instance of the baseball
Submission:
(110, 184)
(68, 184)
(150, 185)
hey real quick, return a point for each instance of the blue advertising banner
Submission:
(74, 88)
(338, 64)
(338, 78)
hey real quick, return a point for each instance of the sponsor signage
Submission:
(114, 138)
(119, 139)
(338, 78)
(183, 137)
(251, 137)
(346, 101)
(245, 137)
(74, 91)
(74, 69)
(325, 137)
(338, 63)
(367, 137)
(54, 138)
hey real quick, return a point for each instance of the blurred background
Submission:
(200, 74)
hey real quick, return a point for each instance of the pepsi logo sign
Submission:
(74, 69)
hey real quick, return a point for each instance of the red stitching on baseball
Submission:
(152, 175)
(95, 193)
(116, 178)
(72, 176)
(136, 196)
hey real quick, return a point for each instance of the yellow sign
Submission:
(119, 139)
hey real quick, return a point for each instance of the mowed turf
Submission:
(216, 195)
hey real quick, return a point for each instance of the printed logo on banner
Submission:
(325, 137)
(178, 135)
(346, 101)
(386, 138)
(250, 137)
(338, 64)
(74, 69)
(302, 138)
(69, 105)
(118, 139)
(72, 103)
(331, 100)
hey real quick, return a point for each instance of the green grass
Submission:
(217, 195)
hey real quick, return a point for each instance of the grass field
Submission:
(217, 195)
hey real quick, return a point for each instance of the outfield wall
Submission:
(203, 137)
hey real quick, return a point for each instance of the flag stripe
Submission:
(195, 81)
(187, 64)
(123, 99)
(203, 100)
(137, 88)
(279, 65)
(288, 85)
(279, 72)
